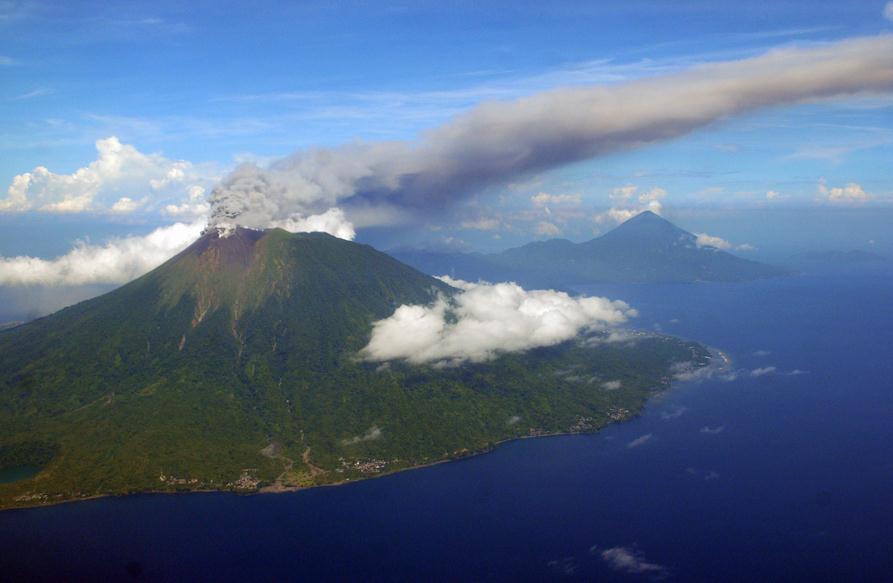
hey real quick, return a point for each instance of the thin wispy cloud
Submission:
(685, 371)
(674, 413)
(39, 92)
(713, 430)
(372, 434)
(640, 441)
(707, 475)
(763, 371)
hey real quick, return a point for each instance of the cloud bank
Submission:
(124, 259)
(484, 320)
(117, 261)
(498, 141)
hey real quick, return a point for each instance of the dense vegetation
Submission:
(233, 366)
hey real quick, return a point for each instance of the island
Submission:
(234, 366)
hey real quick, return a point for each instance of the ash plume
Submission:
(500, 141)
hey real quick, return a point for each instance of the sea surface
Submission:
(782, 473)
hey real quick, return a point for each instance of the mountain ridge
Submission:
(645, 249)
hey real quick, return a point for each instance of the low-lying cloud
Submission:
(117, 261)
(851, 193)
(484, 320)
(705, 240)
(640, 441)
(629, 560)
(674, 413)
(373, 433)
(499, 141)
(713, 430)
(763, 371)
(123, 259)
(687, 371)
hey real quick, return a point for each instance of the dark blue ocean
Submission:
(783, 474)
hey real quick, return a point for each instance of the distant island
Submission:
(645, 249)
(234, 366)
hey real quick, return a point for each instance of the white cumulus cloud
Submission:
(850, 193)
(126, 205)
(484, 320)
(888, 11)
(196, 204)
(332, 222)
(119, 174)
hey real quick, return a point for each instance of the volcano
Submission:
(235, 366)
(645, 249)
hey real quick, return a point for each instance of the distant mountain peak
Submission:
(648, 218)
(645, 248)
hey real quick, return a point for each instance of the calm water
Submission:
(781, 476)
(18, 473)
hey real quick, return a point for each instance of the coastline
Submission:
(724, 362)
(268, 490)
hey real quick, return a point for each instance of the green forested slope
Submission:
(233, 366)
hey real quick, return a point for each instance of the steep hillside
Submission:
(235, 365)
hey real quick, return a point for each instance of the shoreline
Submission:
(272, 489)
(267, 490)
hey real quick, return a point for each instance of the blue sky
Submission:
(213, 84)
